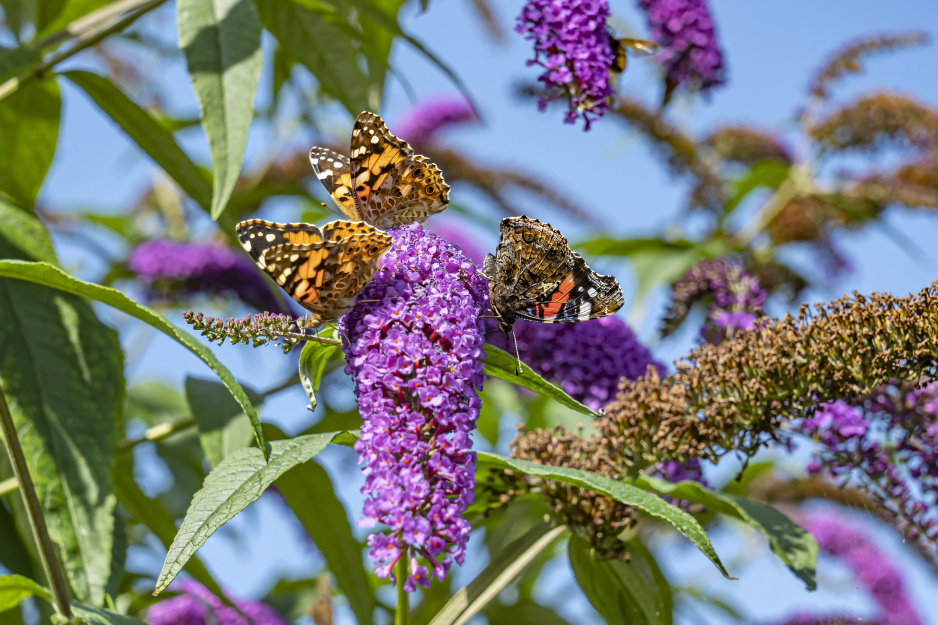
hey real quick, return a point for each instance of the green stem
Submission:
(83, 42)
(157, 433)
(34, 512)
(402, 612)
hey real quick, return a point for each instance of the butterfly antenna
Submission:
(517, 353)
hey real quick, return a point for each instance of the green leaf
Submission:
(26, 232)
(523, 613)
(15, 61)
(15, 588)
(793, 545)
(98, 616)
(501, 571)
(222, 43)
(239, 480)
(62, 372)
(54, 277)
(768, 173)
(620, 491)
(223, 426)
(151, 514)
(500, 364)
(631, 592)
(309, 493)
(324, 47)
(29, 125)
(147, 132)
(69, 11)
(313, 360)
(605, 245)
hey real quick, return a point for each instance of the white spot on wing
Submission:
(271, 237)
(584, 313)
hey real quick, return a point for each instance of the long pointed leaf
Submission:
(623, 492)
(62, 372)
(793, 545)
(222, 43)
(239, 480)
(500, 364)
(43, 273)
(29, 125)
(15, 588)
(146, 132)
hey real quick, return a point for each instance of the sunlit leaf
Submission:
(325, 48)
(15, 588)
(221, 40)
(147, 132)
(313, 360)
(623, 492)
(239, 480)
(26, 232)
(99, 616)
(500, 364)
(61, 370)
(43, 273)
(52, 21)
(29, 125)
(792, 544)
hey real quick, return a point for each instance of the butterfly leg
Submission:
(517, 353)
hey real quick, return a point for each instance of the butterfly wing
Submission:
(583, 294)
(334, 172)
(539, 278)
(322, 269)
(258, 235)
(392, 185)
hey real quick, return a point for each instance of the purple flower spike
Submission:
(173, 270)
(691, 57)
(196, 605)
(572, 44)
(416, 356)
(424, 122)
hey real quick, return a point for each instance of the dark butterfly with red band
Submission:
(534, 275)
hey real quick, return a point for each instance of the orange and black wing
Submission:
(392, 185)
(334, 172)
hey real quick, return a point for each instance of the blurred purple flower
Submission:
(872, 568)
(416, 356)
(735, 298)
(197, 605)
(174, 270)
(572, 44)
(889, 446)
(587, 359)
(423, 122)
(691, 56)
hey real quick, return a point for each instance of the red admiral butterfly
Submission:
(534, 275)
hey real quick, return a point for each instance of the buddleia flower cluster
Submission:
(736, 395)
(735, 299)
(691, 57)
(572, 45)
(414, 349)
(888, 445)
(174, 271)
(256, 330)
(197, 605)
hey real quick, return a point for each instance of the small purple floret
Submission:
(416, 356)
(196, 605)
(691, 57)
(175, 270)
(572, 44)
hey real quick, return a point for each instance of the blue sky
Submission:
(771, 50)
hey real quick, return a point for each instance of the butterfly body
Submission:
(534, 275)
(323, 269)
(383, 182)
